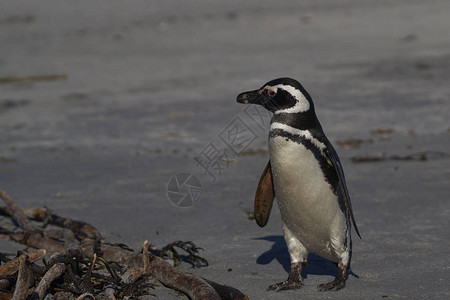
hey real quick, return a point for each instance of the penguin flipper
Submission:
(264, 197)
(334, 159)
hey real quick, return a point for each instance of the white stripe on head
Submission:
(303, 133)
(302, 103)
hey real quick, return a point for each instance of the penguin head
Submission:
(282, 95)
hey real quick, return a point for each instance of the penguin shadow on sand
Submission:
(279, 251)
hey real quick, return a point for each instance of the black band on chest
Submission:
(327, 170)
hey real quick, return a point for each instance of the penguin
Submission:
(306, 177)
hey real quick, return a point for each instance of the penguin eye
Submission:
(271, 93)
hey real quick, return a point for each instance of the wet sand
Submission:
(101, 104)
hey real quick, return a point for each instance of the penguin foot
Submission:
(334, 285)
(294, 281)
(338, 283)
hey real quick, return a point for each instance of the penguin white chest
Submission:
(308, 206)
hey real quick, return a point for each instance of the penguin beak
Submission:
(248, 97)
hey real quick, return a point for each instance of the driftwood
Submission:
(83, 266)
(227, 292)
(420, 156)
(12, 266)
(17, 215)
(82, 230)
(24, 279)
(53, 273)
(191, 285)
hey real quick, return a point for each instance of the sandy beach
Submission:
(103, 103)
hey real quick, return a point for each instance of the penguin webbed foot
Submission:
(338, 283)
(334, 285)
(294, 281)
(285, 285)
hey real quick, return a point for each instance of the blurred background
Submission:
(103, 103)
